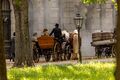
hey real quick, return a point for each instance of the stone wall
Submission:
(45, 13)
(106, 22)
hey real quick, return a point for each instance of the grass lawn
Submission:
(90, 71)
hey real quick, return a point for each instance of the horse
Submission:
(70, 46)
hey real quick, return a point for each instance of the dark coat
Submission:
(57, 32)
(13, 45)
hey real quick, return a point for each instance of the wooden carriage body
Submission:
(102, 38)
(46, 45)
(46, 42)
(50, 47)
(102, 41)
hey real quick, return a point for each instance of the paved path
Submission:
(76, 61)
(42, 62)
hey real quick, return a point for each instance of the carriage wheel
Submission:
(35, 56)
(35, 53)
(113, 51)
(68, 52)
(57, 52)
(47, 55)
(97, 52)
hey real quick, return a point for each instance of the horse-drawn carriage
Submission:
(51, 48)
(103, 43)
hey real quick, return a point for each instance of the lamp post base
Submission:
(79, 46)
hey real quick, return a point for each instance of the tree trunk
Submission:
(117, 73)
(3, 75)
(25, 33)
(23, 48)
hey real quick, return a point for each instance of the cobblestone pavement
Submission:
(85, 60)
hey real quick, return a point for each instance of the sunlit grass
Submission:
(91, 71)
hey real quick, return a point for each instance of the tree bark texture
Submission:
(117, 73)
(23, 47)
(3, 75)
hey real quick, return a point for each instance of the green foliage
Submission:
(98, 2)
(17, 2)
(93, 1)
(91, 71)
(115, 3)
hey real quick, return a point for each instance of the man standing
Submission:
(57, 32)
(12, 55)
(58, 37)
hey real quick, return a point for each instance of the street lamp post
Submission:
(78, 20)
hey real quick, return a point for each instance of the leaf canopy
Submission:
(98, 2)
(93, 1)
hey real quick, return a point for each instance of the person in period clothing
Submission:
(34, 41)
(56, 31)
(76, 45)
(34, 38)
(12, 55)
(36, 48)
(58, 37)
(45, 32)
